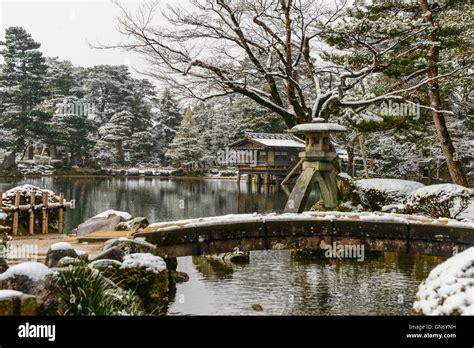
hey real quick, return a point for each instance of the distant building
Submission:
(267, 155)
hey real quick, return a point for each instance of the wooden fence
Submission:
(44, 209)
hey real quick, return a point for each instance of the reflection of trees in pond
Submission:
(253, 198)
(385, 282)
(213, 268)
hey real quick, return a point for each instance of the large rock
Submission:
(106, 221)
(133, 225)
(58, 251)
(373, 194)
(113, 253)
(33, 278)
(3, 265)
(147, 275)
(16, 303)
(104, 264)
(68, 261)
(130, 246)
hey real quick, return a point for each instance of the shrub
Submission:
(444, 200)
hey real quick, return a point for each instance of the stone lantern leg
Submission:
(317, 165)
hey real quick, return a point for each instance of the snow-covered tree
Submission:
(21, 87)
(167, 121)
(71, 130)
(187, 149)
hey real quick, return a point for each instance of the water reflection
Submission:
(384, 284)
(215, 269)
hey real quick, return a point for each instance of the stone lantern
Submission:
(317, 165)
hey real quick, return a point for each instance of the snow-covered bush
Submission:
(449, 288)
(373, 194)
(444, 200)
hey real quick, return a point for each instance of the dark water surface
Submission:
(381, 285)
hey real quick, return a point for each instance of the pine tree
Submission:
(71, 130)
(168, 119)
(187, 148)
(21, 87)
(61, 78)
(116, 131)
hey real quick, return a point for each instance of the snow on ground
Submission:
(106, 214)
(144, 260)
(61, 246)
(449, 288)
(5, 294)
(34, 270)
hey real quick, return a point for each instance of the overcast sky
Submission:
(64, 29)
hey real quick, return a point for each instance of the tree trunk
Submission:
(454, 166)
(364, 156)
(120, 152)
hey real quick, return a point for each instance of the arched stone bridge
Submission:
(376, 231)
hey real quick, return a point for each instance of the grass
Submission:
(86, 292)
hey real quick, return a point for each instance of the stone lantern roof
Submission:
(317, 126)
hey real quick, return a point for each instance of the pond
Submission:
(383, 284)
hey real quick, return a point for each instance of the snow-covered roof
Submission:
(275, 140)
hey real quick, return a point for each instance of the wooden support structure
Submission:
(16, 214)
(32, 214)
(45, 213)
(61, 214)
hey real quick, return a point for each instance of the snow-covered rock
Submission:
(57, 251)
(376, 193)
(60, 246)
(33, 278)
(449, 288)
(133, 225)
(16, 303)
(130, 246)
(105, 221)
(114, 253)
(148, 261)
(444, 200)
(4, 294)
(33, 270)
(124, 216)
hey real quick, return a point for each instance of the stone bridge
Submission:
(376, 231)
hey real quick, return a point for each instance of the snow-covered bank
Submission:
(449, 288)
